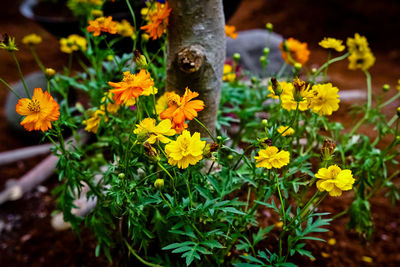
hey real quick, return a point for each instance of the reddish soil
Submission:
(28, 239)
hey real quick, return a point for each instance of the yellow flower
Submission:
(332, 43)
(111, 107)
(102, 24)
(228, 75)
(291, 97)
(148, 129)
(361, 56)
(294, 51)
(270, 158)
(92, 124)
(150, 91)
(185, 150)
(285, 130)
(73, 43)
(361, 60)
(325, 99)
(39, 111)
(162, 103)
(334, 180)
(230, 31)
(32, 39)
(125, 29)
(131, 87)
(286, 87)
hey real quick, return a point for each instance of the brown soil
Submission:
(28, 239)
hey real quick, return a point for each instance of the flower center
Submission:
(185, 147)
(34, 105)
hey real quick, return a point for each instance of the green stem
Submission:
(70, 56)
(38, 61)
(283, 212)
(20, 74)
(140, 258)
(10, 88)
(165, 170)
(207, 130)
(326, 69)
(188, 187)
(330, 62)
(134, 23)
(241, 156)
(390, 100)
(369, 88)
(359, 123)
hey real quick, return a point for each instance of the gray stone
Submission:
(32, 80)
(250, 45)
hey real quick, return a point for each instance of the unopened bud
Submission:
(236, 57)
(266, 51)
(398, 139)
(398, 111)
(327, 149)
(145, 37)
(264, 122)
(230, 157)
(96, 13)
(254, 80)
(386, 87)
(313, 70)
(150, 151)
(49, 72)
(266, 142)
(140, 59)
(269, 26)
(285, 46)
(159, 183)
(110, 58)
(276, 87)
(299, 86)
(219, 138)
(263, 61)
(297, 66)
(121, 175)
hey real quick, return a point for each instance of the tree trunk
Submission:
(196, 54)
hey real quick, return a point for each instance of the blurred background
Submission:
(26, 236)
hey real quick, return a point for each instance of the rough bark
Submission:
(196, 54)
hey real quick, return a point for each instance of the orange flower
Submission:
(39, 111)
(158, 21)
(131, 86)
(181, 109)
(230, 31)
(102, 24)
(298, 51)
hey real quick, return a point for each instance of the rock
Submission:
(33, 80)
(250, 45)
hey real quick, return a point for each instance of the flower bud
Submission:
(49, 72)
(266, 51)
(96, 13)
(219, 138)
(150, 152)
(297, 66)
(269, 26)
(159, 183)
(299, 86)
(140, 59)
(110, 58)
(285, 46)
(398, 139)
(230, 157)
(327, 150)
(145, 37)
(386, 87)
(266, 141)
(8, 43)
(263, 61)
(121, 175)
(254, 80)
(276, 87)
(398, 111)
(264, 122)
(313, 70)
(236, 57)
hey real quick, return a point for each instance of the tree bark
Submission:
(196, 54)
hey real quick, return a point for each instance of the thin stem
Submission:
(35, 56)
(10, 88)
(165, 170)
(188, 187)
(131, 250)
(241, 156)
(369, 88)
(69, 64)
(134, 22)
(283, 212)
(326, 69)
(359, 123)
(20, 74)
(205, 128)
(330, 62)
(390, 100)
